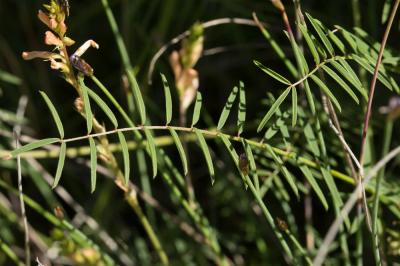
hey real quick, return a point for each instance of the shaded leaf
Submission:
(86, 102)
(317, 25)
(253, 166)
(206, 153)
(272, 73)
(310, 178)
(152, 149)
(227, 108)
(54, 113)
(326, 90)
(294, 106)
(273, 108)
(197, 109)
(103, 106)
(93, 164)
(138, 96)
(241, 108)
(310, 43)
(33, 145)
(125, 156)
(341, 82)
(60, 165)
(168, 100)
(181, 151)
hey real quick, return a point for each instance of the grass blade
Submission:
(60, 165)
(125, 156)
(206, 153)
(242, 108)
(273, 108)
(180, 149)
(326, 90)
(152, 149)
(103, 106)
(168, 100)
(93, 164)
(32, 146)
(197, 109)
(54, 113)
(227, 108)
(272, 73)
(311, 179)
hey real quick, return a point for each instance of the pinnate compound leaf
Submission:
(180, 149)
(103, 106)
(60, 165)
(54, 113)
(168, 100)
(93, 164)
(125, 156)
(206, 153)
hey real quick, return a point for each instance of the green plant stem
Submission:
(387, 136)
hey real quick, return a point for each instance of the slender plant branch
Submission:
(374, 79)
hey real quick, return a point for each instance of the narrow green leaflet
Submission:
(152, 149)
(207, 155)
(241, 108)
(341, 82)
(33, 145)
(311, 179)
(227, 108)
(54, 113)
(386, 11)
(86, 102)
(326, 90)
(294, 106)
(125, 156)
(330, 182)
(180, 149)
(137, 95)
(168, 100)
(335, 39)
(351, 77)
(10, 78)
(235, 157)
(93, 163)
(253, 166)
(300, 59)
(288, 176)
(272, 73)
(273, 108)
(317, 25)
(197, 109)
(310, 43)
(103, 106)
(60, 165)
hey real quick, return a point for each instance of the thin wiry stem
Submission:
(374, 79)
(17, 130)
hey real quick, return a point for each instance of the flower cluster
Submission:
(54, 19)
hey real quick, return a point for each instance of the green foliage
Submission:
(275, 149)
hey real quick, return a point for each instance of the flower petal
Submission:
(51, 39)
